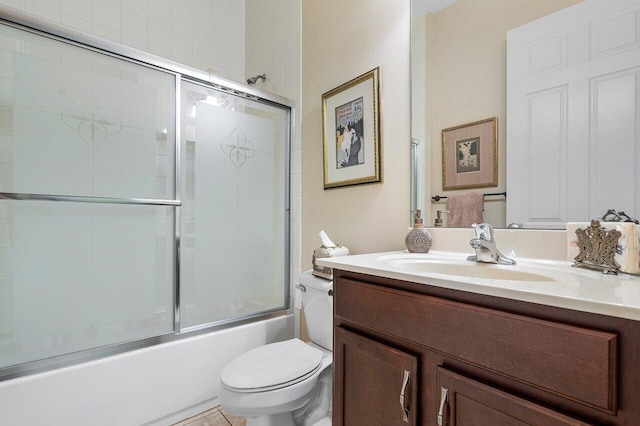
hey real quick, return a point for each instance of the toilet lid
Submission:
(271, 365)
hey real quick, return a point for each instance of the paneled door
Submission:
(573, 108)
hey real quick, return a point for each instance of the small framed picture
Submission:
(470, 155)
(350, 127)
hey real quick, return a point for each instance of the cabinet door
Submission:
(466, 402)
(375, 383)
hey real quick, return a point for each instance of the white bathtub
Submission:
(158, 385)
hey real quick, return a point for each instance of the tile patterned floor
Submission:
(213, 417)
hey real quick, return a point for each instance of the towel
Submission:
(465, 209)
(628, 252)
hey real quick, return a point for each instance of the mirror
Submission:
(459, 72)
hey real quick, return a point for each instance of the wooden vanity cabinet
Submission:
(387, 376)
(499, 361)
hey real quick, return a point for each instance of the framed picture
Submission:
(350, 128)
(470, 155)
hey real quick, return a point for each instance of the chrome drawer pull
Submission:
(405, 409)
(444, 393)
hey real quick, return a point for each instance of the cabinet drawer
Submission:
(575, 363)
(467, 401)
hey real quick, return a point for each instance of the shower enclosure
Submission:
(140, 200)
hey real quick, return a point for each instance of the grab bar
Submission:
(84, 199)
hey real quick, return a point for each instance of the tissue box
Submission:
(628, 255)
(323, 252)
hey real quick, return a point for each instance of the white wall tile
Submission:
(6, 318)
(161, 27)
(138, 7)
(181, 22)
(159, 50)
(203, 28)
(18, 4)
(272, 44)
(5, 233)
(47, 9)
(6, 261)
(223, 4)
(6, 63)
(6, 120)
(134, 25)
(6, 289)
(6, 149)
(107, 33)
(160, 11)
(116, 3)
(296, 208)
(82, 9)
(6, 91)
(106, 15)
(203, 9)
(75, 22)
(159, 34)
(138, 43)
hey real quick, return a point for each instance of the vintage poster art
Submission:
(470, 155)
(349, 134)
(350, 126)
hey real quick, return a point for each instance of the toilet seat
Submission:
(272, 366)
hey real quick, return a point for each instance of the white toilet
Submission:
(287, 383)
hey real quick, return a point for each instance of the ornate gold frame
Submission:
(482, 178)
(372, 173)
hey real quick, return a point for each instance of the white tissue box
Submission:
(323, 252)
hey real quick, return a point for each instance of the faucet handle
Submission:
(484, 231)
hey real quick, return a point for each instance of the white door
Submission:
(573, 115)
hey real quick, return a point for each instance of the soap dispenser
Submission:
(439, 221)
(418, 239)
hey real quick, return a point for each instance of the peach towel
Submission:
(465, 208)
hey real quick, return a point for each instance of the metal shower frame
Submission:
(35, 25)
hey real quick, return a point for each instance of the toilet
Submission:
(287, 383)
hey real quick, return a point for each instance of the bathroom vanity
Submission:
(534, 344)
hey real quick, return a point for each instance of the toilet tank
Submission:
(318, 309)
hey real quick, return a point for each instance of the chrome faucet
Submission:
(485, 246)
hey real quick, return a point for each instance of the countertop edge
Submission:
(589, 305)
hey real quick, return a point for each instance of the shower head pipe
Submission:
(253, 80)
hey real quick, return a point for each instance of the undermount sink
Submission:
(463, 268)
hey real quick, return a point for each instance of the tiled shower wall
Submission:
(273, 47)
(205, 34)
(225, 37)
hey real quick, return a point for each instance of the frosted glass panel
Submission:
(77, 122)
(233, 214)
(100, 278)
(79, 276)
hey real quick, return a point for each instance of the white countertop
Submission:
(564, 286)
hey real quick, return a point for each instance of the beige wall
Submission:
(342, 39)
(466, 77)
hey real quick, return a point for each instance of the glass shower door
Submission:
(115, 236)
(233, 235)
(84, 137)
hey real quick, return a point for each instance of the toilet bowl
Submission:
(287, 383)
